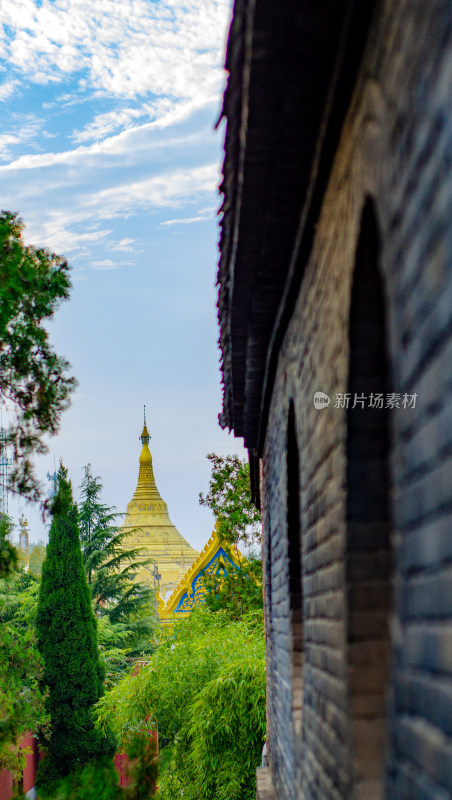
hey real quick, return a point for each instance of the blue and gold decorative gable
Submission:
(191, 591)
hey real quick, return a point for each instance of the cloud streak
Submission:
(185, 220)
(27, 130)
(77, 223)
(169, 190)
(121, 144)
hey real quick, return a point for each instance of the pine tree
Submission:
(97, 532)
(109, 565)
(67, 640)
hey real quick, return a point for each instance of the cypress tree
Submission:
(67, 639)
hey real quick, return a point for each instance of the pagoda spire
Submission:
(146, 481)
(148, 524)
(145, 435)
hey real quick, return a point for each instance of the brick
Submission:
(419, 695)
(427, 748)
(429, 647)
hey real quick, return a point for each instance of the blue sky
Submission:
(109, 154)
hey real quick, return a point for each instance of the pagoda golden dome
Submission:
(149, 526)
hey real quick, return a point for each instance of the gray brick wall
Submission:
(397, 148)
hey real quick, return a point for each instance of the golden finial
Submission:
(145, 435)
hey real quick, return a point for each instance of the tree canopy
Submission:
(229, 497)
(9, 556)
(205, 688)
(33, 378)
(21, 667)
(238, 525)
(237, 591)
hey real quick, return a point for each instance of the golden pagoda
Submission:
(150, 527)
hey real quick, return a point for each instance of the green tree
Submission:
(111, 567)
(236, 592)
(9, 556)
(67, 639)
(229, 497)
(21, 699)
(205, 688)
(35, 558)
(19, 600)
(32, 376)
(100, 781)
(238, 524)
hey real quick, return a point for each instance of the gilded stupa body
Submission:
(150, 527)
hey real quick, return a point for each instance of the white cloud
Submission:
(105, 264)
(6, 141)
(124, 48)
(126, 143)
(162, 113)
(25, 129)
(171, 189)
(7, 89)
(185, 220)
(53, 230)
(123, 246)
(160, 63)
(75, 223)
(107, 123)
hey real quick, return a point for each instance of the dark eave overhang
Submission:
(292, 68)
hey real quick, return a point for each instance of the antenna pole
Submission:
(5, 462)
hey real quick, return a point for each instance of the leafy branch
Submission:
(33, 378)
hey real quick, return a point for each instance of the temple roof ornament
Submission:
(191, 590)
